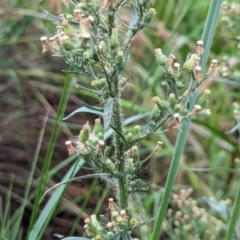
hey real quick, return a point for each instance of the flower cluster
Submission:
(230, 18)
(185, 219)
(174, 106)
(120, 224)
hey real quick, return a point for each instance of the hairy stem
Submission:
(119, 148)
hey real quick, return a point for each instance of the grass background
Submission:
(31, 86)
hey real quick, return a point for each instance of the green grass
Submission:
(33, 82)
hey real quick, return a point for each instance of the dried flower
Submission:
(197, 73)
(200, 49)
(70, 147)
(45, 44)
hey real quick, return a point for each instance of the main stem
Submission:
(119, 148)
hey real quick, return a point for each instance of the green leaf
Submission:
(119, 134)
(108, 110)
(84, 109)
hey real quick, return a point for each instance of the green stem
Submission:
(119, 149)
(207, 37)
(234, 217)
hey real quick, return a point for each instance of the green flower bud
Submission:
(120, 57)
(177, 108)
(110, 165)
(129, 137)
(94, 221)
(84, 134)
(69, 31)
(155, 113)
(98, 128)
(66, 43)
(100, 83)
(134, 222)
(172, 100)
(162, 105)
(114, 216)
(88, 54)
(137, 132)
(90, 227)
(149, 16)
(114, 40)
(98, 237)
(110, 234)
(204, 113)
(185, 112)
(100, 135)
(160, 58)
(189, 64)
(203, 99)
(69, 17)
(135, 155)
(130, 165)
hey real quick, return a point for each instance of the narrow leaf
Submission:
(134, 16)
(89, 89)
(119, 134)
(84, 109)
(108, 109)
(91, 107)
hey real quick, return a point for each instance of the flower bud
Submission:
(114, 216)
(129, 137)
(88, 54)
(155, 113)
(203, 99)
(134, 222)
(111, 166)
(84, 134)
(189, 64)
(120, 57)
(68, 30)
(149, 16)
(162, 105)
(130, 165)
(66, 43)
(110, 234)
(114, 40)
(160, 58)
(177, 108)
(137, 132)
(172, 100)
(98, 127)
(100, 83)
(204, 113)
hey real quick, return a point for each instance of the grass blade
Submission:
(207, 37)
(51, 145)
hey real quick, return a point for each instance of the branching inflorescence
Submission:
(90, 41)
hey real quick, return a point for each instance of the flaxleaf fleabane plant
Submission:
(96, 43)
